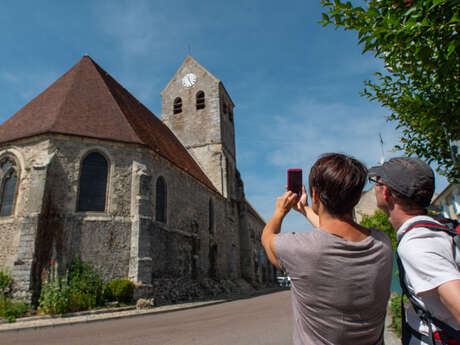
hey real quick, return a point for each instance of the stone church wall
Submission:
(188, 225)
(262, 268)
(187, 246)
(9, 242)
(26, 157)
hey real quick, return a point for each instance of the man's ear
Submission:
(314, 195)
(386, 193)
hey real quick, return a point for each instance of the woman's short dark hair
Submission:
(338, 181)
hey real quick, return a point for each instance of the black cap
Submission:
(408, 176)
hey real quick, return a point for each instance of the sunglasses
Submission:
(374, 180)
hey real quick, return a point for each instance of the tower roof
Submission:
(86, 101)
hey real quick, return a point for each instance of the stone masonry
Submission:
(211, 233)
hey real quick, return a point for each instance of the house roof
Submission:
(86, 101)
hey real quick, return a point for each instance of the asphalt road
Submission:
(262, 320)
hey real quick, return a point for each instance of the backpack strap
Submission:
(422, 313)
(432, 226)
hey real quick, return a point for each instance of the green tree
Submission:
(379, 220)
(418, 40)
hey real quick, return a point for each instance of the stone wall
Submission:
(185, 246)
(263, 269)
(366, 206)
(125, 240)
(9, 241)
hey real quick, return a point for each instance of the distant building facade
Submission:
(86, 169)
(448, 202)
(366, 206)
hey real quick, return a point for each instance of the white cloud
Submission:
(308, 129)
(141, 29)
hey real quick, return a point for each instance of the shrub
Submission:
(379, 220)
(80, 289)
(11, 310)
(5, 283)
(86, 286)
(395, 302)
(55, 295)
(120, 290)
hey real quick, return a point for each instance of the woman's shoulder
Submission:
(381, 237)
(313, 235)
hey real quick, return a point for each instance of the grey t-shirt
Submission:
(339, 288)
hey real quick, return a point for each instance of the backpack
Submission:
(447, 335)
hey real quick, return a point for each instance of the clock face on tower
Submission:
(189, 80)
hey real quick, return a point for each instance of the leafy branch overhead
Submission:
(418, 40)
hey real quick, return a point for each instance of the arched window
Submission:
(9, 179)
(211, 217)
(177, 106)
(200, 104)
(225, 107)
(93, 183)
(230, 115)
(160, 205)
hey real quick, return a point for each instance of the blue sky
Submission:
(295, 84)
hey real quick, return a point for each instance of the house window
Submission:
(200, 100)
(177, 106)
(9, 179)
(93, 183)
(161, 195)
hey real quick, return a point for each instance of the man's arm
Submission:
(449, 293)
(273, 227)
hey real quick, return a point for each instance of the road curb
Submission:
(46, 321)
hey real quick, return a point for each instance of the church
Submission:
(88, 170)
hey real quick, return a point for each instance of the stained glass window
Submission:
(9, 179)
(93, 183)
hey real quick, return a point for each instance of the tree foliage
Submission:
(379, 220)
(418, 40)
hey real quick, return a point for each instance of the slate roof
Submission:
(86, 101)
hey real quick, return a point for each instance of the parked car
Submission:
(284, 281)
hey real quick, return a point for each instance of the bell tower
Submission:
(199, 111)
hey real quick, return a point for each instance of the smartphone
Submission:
(294, 181)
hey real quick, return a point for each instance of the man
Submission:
(430, 260)
(340, 271)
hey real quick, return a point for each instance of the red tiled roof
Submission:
(86, 101)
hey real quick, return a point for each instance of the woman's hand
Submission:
(285, 202)
(302, 202)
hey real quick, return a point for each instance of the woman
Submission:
(340, 271)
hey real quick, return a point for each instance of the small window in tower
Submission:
(177, 106)
(225, 108)
(200, 104)
(230, 115)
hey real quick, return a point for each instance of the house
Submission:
(448, 202)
